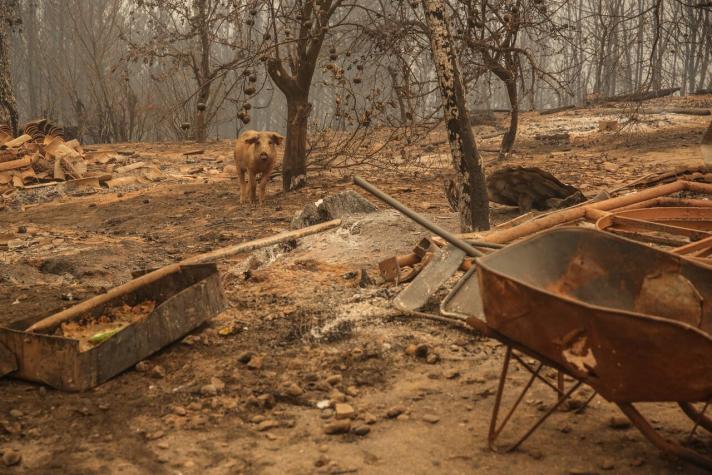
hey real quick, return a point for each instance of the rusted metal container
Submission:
(633, 322)
(184, 300)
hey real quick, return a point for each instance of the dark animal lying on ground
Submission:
(525, 187)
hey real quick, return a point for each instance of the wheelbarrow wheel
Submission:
(698, 417)
(661, 443)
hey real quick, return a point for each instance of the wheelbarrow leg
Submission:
(661, 443)
(698, 417)
(495, 431)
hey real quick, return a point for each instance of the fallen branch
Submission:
(130, 286)
(557, 109)
(639, 96)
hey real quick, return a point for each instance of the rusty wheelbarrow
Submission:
(632, 322)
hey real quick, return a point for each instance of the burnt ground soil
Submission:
(196, 408)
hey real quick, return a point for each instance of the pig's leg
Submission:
(252, 183)
(263, 184)
(241, 182)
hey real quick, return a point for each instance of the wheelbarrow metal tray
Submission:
(631, 321)
(184, 300)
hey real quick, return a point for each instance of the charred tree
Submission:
(472, 205)
(312, 25)
(202, 70)
(8, 106)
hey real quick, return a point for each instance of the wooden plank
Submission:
(14, 164)
(16, 142)
(128, 168)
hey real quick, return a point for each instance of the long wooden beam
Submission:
(124, 289)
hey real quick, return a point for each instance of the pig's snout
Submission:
(264, 156)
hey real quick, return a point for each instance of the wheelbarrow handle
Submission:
(432, 227)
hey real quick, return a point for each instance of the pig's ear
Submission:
(252, 140)
(277, 139)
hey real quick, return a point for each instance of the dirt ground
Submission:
(244, 392)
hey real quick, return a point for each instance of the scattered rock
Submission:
(258, 418)
(334, 379)
(361, 430)
(142, 366)
(323, 404)
(352, 391)
(431, 418)
(565, 428)
(452, 374)
(421, 351)
(321, 460)
(158, 372)
(218, 383)
(209, 390)
(16, 413)
(395, 411)
(11, 427)
(293, 390)
(11, 457)
(267, 425)
(266, 400)
(338, 427)
(245, 357)
(637, 462)
(180, 411)
(337, 396)
(619, 423)
(403, 417)
(344, 411)
(369, 418)
(432, 358)
(574, 404)
(255, 362)
(610, 167)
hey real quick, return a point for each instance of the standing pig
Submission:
(255, 153)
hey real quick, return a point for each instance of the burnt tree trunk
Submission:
(472, 205)
(511, 135)
(202, 72)
(296, 93)
(313, 24)
(294, 166)
(8, 105)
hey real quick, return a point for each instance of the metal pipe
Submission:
(432, 227)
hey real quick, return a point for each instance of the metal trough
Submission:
(184, 300)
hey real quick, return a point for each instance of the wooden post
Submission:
(473, 205)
